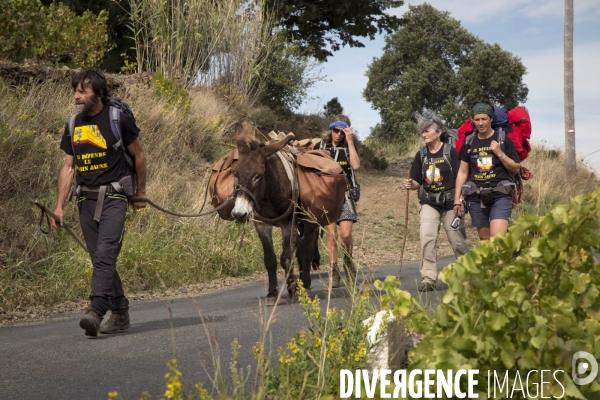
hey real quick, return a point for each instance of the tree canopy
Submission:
(288, 75)
(323, 26)
(433, 63)
(333, 108)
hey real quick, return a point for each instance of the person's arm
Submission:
(461, 179)
(65, 179)
(506, 158)
(415, 179)
(352, 154)
(135, 149)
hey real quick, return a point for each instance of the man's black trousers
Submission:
(104, 240)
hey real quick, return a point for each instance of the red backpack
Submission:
(517, 124)
(518, 120)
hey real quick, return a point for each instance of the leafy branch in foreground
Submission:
(527, 300)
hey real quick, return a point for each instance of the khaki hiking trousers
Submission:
(429, 231)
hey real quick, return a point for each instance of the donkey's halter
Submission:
(290, 171)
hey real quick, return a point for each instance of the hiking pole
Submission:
(67, 227)
(405, 229)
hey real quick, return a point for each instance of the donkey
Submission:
(263, 188)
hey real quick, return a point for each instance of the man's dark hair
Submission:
(93, 79)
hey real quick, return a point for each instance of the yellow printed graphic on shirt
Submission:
(433, 175)
(485, 163)
(89, 134)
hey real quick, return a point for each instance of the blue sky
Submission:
(530, 29)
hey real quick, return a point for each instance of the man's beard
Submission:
(89, 106)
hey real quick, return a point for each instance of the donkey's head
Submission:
(249, 171)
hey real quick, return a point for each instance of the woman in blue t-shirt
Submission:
(488, 163)
(339, 141)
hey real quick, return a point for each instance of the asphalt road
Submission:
(53, 359)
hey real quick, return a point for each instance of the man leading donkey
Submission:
(104, 152)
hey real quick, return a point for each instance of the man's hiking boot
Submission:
(427, 286)
(116, 323)
(335, 276)
(90, 322)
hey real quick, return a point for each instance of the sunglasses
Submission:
(337, 130)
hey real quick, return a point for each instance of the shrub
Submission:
(528, 299)
(379, 163)
(54, 33)
(334, 340)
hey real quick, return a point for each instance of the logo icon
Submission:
(583, 367)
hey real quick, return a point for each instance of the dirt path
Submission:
(379, 233)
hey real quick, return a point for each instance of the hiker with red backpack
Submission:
(104, 152)
(489, 163)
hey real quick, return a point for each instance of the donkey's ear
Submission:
(240, 137)
(273, 148)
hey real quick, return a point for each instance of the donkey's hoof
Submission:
(270, 301)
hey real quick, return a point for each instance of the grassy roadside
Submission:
(182, 136)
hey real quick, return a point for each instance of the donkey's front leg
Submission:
(289, 235)
(265, 233)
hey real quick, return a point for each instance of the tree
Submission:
(52, 34)
(321, 27)
(120, 41)
(333, 108)
(288, 74)
(433, 63)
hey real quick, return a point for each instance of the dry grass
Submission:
(202, 42)
(179, 141)
(550, 185)
(394, 150)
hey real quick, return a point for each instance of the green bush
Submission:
(169, 89)
(54, 33)
(379, 163)
(529, 299)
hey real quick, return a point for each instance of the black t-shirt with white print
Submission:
(98, 163)
(340, 154)
(484, 166)
(439, 175)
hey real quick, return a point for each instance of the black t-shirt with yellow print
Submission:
(484, 166)
(439, 176)
(98, 163)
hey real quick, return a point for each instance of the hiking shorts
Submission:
(501, 208)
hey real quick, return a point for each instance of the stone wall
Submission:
(19, 74)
